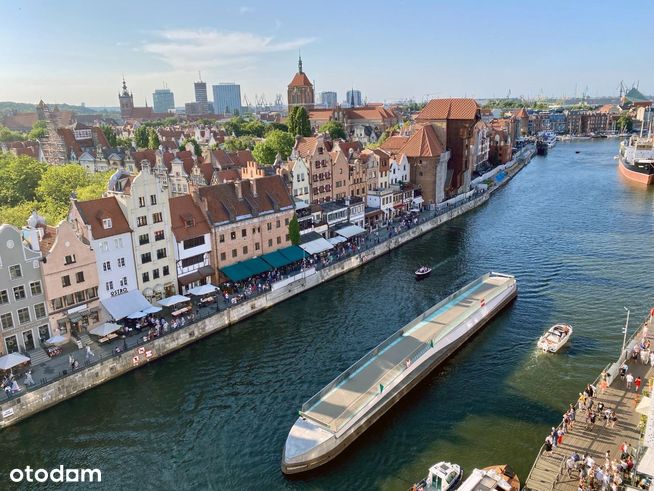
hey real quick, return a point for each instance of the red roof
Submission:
(448, 109)
(186, 218)
(95, 210)
(393, 144)
(423, 143)
(300, 80)
(521, 113)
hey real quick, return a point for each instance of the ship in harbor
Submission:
(340, 412)
(636, 159)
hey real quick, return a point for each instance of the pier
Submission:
(548, 472)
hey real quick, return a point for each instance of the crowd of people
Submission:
(10, 383)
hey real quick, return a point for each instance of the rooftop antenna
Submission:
(200, 75)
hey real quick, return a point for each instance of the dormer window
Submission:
(106, 223)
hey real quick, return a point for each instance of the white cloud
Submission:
(246, 10)
(200, 49)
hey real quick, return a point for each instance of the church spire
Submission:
(299, 62)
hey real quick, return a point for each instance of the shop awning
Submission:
(187, 279)
(350, 231)
(121, 306)
(202, 290)
(418, 200)
(11, 360)
(275, 259)
(316, 246)
(646, 464)
(245, 269)
(173, 300)
(104, 329)
(336, 240)
(293, 253)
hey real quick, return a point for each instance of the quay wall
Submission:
(36, 400)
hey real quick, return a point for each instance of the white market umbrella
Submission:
(11, 360)
(58, 339)
(104, 329)
(203, 290)
(174, 300)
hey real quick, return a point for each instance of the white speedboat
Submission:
(423, 272)
(442, 477)
(555, 337)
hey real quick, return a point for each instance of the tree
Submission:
(197, 150)
(125, 143)
(59, 181)
(290, 120)
(19, 178)
(294, 230)
(276, 142)
(234, 126)
(95, 187)
(254, 128)
(110, 135)
(276, 126)
(298, 122)
(141, 137)
(17, 215)
(235, 144)
(624, 123)
(335, 130)
(38, 131)
(6, 135)
(153, 139)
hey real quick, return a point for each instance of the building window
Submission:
(190, 261)
(194, 242)
(121, 262)
(233, 235)
(153, 199)
(106, 266)
(79, 277)
(269, 226)
(157, 217)
(4, 297)
(146, 258)
(222, 238)
(144, 239)
(244, 233)
(7, 320)
(35, 288)
(109, 285)
(159, 235)
(39, 310)
(106, 223)
(269, 242)
(165, 270)
(223, 256)
(286, 221)
(146, 277)
(245, 249)
(279, 240)
(23, 315)
(161, 253)
(234, 253)
(15, 272)
(118, 243)
(123, 281)
(70, 259)
(141, 202)
(257, 246)
(155, 274)
(79, 296)
(142, 221)
(104, 246)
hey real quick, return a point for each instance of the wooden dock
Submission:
(549, 471)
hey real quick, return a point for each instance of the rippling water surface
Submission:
(216, 415)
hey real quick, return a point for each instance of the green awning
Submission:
(236, 272)
(256, 265)
(293, 253)
(275, 259)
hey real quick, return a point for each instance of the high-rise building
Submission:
(200, 91)
(163, 100)
(328, 99)
(353, 98)
(227, 98)
(300, 90)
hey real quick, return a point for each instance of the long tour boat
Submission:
(636, 159)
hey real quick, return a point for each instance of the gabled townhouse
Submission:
(144, 202)
(23, 311)
(296, 176)
(192, 243)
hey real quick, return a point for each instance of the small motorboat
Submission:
(443, 476)
(423, 272)
(576, 151)
(555, 338)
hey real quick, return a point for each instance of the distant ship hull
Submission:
(643, 174)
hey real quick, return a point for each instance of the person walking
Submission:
(548, 445)
(28, 378)
(630, 380)
(637, 383)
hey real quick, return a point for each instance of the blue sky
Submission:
(76, 51)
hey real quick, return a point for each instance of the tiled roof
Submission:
(70, 141)
(224, 205)
(321, 114)
(423, 143)
(370, 113)
(149, 155)
(392, 144)
(183, 208)
(48, 239)
(438, 109)
(20, 121)
(207, 171)
(227, 175)
(306, 145)
(300, 80)
(521, 113)
(93, 211)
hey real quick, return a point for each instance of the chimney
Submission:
(238, 190)
(253, 187)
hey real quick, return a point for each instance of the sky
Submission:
(77, 51)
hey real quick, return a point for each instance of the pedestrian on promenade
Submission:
(28, 378)
(623, 370)
(71, 361)
(570, 465)
(593, 418)
(637, 383)
(630, 380)
(88, 354)
(651, 358)
(555, 437)
(548, 445)
(613, 419)
(571, 417)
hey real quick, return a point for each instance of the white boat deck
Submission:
(336, 405)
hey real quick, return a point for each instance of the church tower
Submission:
(126, 101)
(300, 90)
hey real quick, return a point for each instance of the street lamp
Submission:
(624, 331)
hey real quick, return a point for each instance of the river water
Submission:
(216, 415)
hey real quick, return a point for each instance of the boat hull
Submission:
(420, 276)
(634, 174)
(336, 444)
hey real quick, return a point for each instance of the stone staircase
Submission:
(38, 356)
(84, 340)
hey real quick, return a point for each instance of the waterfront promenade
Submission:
(549, 471)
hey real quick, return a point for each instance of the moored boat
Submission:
(555, 338)
(541, 147)
(423, 272)
(441, 477)
(495, 477)
(636, 159)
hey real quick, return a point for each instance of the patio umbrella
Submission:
(104, 329)
(203, 290)
(152, 310)
(11, 360)
(137, 315)
(58, 339)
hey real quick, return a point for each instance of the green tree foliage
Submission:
(335, 130)
(624, 123)
(239, 126)
(153, 139)
(125, 143)
(7, 135)
(38, 131)
(234, 144)
(110, 135)
(298, 122)
(19, 178)
(254, 128)
(276, 126)
(141, 137)
(235, 126)
(276, 142)
(294, 230)
(95, 186)
(197, 150)
(59, 181)
(17, 215)
(160, 122)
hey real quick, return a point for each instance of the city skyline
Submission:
(561, 51)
